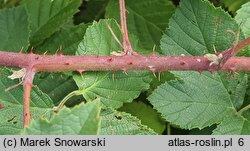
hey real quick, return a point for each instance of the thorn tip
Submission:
(113, 75)
(31, 50)
(80, 71)
(124, 71)
(153, 51)
(153, 72)
(159, 75)
(200, 72)
(60, 48)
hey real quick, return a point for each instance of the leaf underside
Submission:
(13, 35)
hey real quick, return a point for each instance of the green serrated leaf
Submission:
(11, 110)
(121, 123)
(236, 87)
(9, 3)
(14, 29)
(201, 26)
(204, 131)
(57, 86)
(146, 19)
(82, 119)
(248, 86)
(162, 78)
(112, 89)
(234, 5)
(194, 101)
(234, 125)
(45, 16)
(67, 39)
(146, 114)
(112, 92)
(95, 10)
(243, 18)
(98, 39)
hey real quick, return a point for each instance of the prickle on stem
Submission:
(159, 75)
(60, 50)
(153, 72)
(21, 51)
(113, 75)
(31, 50)
(153, 51)
(80, 71)
(124, 71)
(200, 72)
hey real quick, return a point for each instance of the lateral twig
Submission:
(236, 47)
(126, 43)
(27, 85)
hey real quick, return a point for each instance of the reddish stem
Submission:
(35, 63)
(233, 50)
(26, 104)
(126, 43)
(114, 63)
(241, 45)
(27, 84)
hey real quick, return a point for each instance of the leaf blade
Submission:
(82, 119)
(242, 18)
(121, 123)
(14, 29)
(189, 101)
(113, 93)
(66, 38)
(56, 87)
(202, 27)
(112, 88)
(12, 108)
(234, 125)
(146, 114)
(45, 16)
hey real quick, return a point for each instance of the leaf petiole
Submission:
(65, 99)
(244, 109)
